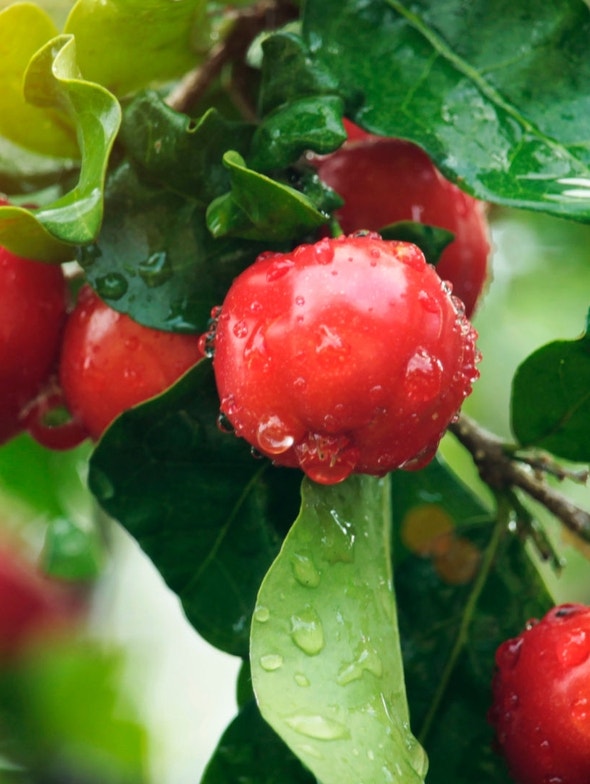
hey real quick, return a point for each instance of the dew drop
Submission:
(508, 653)
(224, 424)
(428, 302)
(300, 301)
(319, 727)
(271, 662)
(423, 376)
(323, 252)
(240, 329)
(279, 268)
(573, 648)
(301, 679)
(155, 270)
(327, 459)
(273, 437)
(307, 631)
(305, 571)
(111, 286)
(261, 614)
(368, 660)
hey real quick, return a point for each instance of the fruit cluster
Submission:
(344, 355)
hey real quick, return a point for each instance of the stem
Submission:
(501, 471)
(461, 638)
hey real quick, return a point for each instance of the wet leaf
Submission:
(493, 80)
(208, 514)
(464, 584)
(325, 656)
(550, 406)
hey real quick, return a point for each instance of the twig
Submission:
(246, 24)
(499, 469)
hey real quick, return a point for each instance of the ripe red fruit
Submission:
(344, 356)
(110, 363)
(541, 699)
(383, 181)
(32, 315)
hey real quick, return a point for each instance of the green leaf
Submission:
(155, 258)
(306, 124)
(494, 91)
(208, 514)
(25, 28)
(23, 171)
(66, 715)
(550, 405)
(259, 208)
(52, 81)
(431, 240)
(183, 154)
(250, 751)
(464, 585)
(325, 655)
(127, 44)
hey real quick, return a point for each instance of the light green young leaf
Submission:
(325, 651)
(53, 81)
(127, 44)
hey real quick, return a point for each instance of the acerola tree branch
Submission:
(501, 471)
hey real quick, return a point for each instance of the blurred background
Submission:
(183, 690)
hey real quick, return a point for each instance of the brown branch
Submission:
(246, 24)
(501, 471)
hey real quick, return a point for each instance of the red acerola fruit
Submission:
(110, 363)
(32, 315)
(348, 355)
(541, 699)
(383, 181)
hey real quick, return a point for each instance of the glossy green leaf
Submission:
(24, 172)
(67, 716)
(259, 208)
(155, 258)
(25, 28)
(209, 515)
(127, 44)
(325, 655)
(52, 81)
(464, 584)
(249, 751)
(305, 124)
(183, 154)
(431, 240)
(550, 406)
(494, 91)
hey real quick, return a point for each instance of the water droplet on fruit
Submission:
(271, 662)
(428, 302)
(319, 727)
(155, 270)
(423, 376)
(224, 424)
(307, 631)
(508, 653)
(573, 648)
(111, 286)
(327, 459)
(240, 329)
(278, 268)
(305, 571)
(323, 252)
(273, 436)
(300, 301)
(261, 613)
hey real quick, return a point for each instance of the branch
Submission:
(246, 24)
(502, 472)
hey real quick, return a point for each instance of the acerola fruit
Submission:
(345, 356)
(109, 362)
(541, 699)
(383, 181)
(32, 316)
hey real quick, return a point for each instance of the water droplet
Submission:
(111, 286)
(279, 268)
(305, 571)
(273, 437)
(508, 653)
(573, 648)
(329, 340)
(307, 631)
(368, 660)
(327, 459)
(316, 726)
(300, 301)
(271, 662)
(155, 270)
(323, 251)
(240, 329)
(301, 679)
(261, 613)
(428, 302)
(338, 540)
(224, 424)
(580, 710)
(423, 376)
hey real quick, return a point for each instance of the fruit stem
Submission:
(462, 635)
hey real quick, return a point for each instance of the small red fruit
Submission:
(32, 315)
(344, 356)
(110, 363)
(541, 699)
(384, 181)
